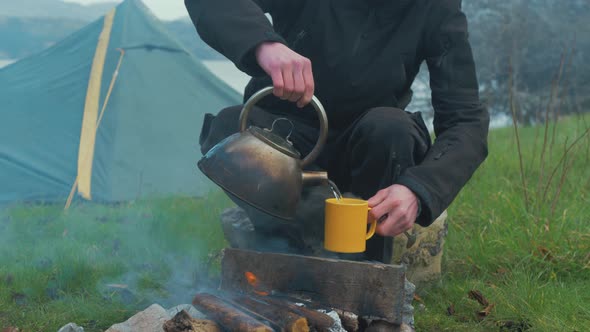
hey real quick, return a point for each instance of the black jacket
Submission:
(365, 54)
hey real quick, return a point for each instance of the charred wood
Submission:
(227, 315)
(316, 320)
(281, 316)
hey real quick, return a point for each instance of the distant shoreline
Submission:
(228, 73)
(5, 62)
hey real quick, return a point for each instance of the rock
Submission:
(337, 327)
(183, 322)
(245, 227)
(192, 311)
(407, 308)
(382, 326)
(423, 260)
(237, 228)
(11, 329)
(71, 327)
(406, 328)
(150, 320)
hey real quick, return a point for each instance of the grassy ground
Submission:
(532, 261)
(96, 265)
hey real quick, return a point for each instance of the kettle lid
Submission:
(276, 141)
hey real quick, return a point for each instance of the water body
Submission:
(228, 73)
(237, 80)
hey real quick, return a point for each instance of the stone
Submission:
(189, 308)
(423, 260)
(150, 320)
(183, 322)
(71, 327)
(237, 228)
(337, 327)
(408, 308)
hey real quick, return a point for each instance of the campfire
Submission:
(281, 292)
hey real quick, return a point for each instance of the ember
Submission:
(256, 284)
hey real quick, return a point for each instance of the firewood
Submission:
(367, 289)
(317, 320)
(183, 322)
(280, 316)
(227, 315)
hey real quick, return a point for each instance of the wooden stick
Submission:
(319, 321)
(286, 319)
(227, 315)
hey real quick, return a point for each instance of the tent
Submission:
(111, 113)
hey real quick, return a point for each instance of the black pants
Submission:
(361, 159)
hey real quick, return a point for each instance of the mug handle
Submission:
(372, 228)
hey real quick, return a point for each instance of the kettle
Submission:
(261, 168)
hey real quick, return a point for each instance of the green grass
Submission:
(532, 261)
(56, 267)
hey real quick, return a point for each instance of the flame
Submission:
(255, 283)
(251, 277)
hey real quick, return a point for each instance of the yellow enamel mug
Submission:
(346, 225)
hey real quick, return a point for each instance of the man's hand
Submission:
(400, 205)
(291, 73)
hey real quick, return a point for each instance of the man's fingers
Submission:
(395, 224)
(381, 209)
(288, 79)
(309, 84)
(298, 84)
(379, 197)
(277, 82)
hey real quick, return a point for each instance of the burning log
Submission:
(227, 315)
(280, 316)
(183, 322)
(366, 289)
(317, 320)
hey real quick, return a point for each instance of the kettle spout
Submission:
(315, 178)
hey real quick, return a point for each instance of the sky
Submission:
(164, 9)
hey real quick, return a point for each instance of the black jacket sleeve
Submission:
(460, 120)
(235, 28)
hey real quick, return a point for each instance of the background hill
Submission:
(53, 9)
(533, 50)
(29, 26)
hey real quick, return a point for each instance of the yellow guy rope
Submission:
(91, 120)
(113, 80)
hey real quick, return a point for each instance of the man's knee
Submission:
(216, 128)
(384, 126)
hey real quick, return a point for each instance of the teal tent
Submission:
(111, 113)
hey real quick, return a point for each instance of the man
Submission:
(360, 57)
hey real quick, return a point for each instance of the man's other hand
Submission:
(291, 73)
(400, 205)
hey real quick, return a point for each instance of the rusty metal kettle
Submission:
(262, 168)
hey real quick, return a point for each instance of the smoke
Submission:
(155, 250)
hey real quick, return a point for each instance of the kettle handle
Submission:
(319, 145)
